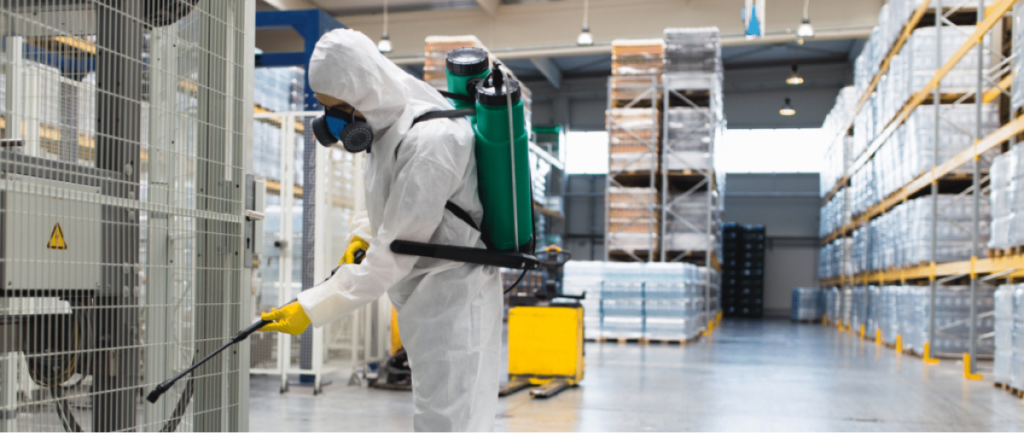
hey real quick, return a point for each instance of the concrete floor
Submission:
(750, 376)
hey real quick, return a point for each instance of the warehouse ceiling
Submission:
(536, 39)
(754, 88)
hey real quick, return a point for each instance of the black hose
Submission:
(518, 280)
(67, 418)
(179, 409)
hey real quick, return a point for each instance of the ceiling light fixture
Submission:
(585, 38)
(806, 30)
(795, 79)
(384, 45)
(787, 110)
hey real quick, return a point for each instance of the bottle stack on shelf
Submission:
(640, 301)
(1004, 348)
(742, 270)
(907, 210)
(633, 131)
(872, 219)
(905, 311)
(806, 305)
(277, 90)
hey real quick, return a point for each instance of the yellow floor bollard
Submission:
(899, 343)
(839, 324)
(967, 369)
(878, 337)
(824, 319)
(861, 331)
(928, 355)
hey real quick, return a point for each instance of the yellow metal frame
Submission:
(928, 355)
(930, 271)
(967, 369)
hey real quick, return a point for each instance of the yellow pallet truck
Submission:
(545, 338)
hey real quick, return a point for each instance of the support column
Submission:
(936, 98)
(119, 92)
(976, 228)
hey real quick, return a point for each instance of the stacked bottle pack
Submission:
(903, 237)
(656, 301)
(1007, 199)
(696, 49)
(834, 258)
(693, 221)
(743, 270)
(909, 152)
(687, 145)
(277, 90)
(806, 304)
(1017, 100)
(905, 311)
(1009, 336)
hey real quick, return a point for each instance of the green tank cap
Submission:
(466, 61)
(492, 90)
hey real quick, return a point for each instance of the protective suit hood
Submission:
(347, 65)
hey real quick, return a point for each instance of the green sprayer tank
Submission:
(468, 66)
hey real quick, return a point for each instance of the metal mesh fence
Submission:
(122, 169)
(285, 269)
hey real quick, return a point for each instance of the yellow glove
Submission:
(289, 319)
(357, 244)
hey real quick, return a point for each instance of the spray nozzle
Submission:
(497, 78)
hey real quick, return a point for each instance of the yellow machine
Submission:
(545, 340)
(545, 347)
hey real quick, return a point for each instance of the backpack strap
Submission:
(440, 114)
(456, 96)
(459, 212)
(445, 114)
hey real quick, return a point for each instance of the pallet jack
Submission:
(545, 338)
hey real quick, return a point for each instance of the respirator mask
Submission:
(337, 125)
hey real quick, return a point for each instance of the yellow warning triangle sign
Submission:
(57, 239)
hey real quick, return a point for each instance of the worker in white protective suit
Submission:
(449, 312)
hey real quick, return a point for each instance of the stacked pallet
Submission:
(640, 301)
(632, 221)
(633, 134)
(632, 139)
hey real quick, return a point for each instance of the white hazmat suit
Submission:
(449, 312)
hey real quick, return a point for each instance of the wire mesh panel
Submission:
(122, 169)
(349, 342)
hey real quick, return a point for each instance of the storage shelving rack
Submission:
(990, 85)
(631, 200)
(692, 120)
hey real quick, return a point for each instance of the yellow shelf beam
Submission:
(299, 127)
(981, 266)
(994, 92)
(274, 186)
